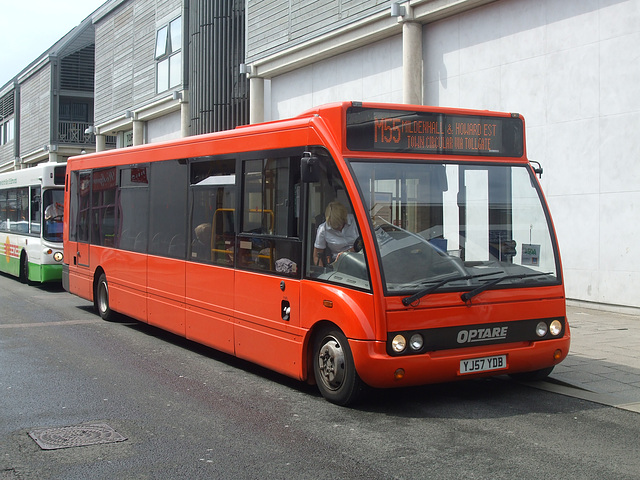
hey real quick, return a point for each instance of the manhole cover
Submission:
(76, 436)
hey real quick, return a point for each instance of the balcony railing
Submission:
(73, 133)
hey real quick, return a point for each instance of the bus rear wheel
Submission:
(334, 368)
(101, 299)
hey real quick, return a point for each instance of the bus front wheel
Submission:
(101, 299)
(334, 369)
(24, 268)
(534, 376)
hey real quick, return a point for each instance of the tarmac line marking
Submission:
(50, 324)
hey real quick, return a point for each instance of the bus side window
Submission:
(168, 207)
(270, 235)
(3, 210)
(326, 191)
(35, 210)
(102, 206)
(213, 211)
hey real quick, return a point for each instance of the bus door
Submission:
(268, 256)
(210, 274)
(81, 257)
(77, 250)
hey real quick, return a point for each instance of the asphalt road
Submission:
(189, 412)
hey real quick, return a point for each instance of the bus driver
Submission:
(337, 234)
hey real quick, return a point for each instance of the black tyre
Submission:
(534, 376)
(334, 369)
(101, 299)
(24, 268)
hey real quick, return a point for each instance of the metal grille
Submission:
(218, 93)
(6, 106)
(78, 70)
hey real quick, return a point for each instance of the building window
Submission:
(6, 132)
(169, 56)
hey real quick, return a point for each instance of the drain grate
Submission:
(75, 436)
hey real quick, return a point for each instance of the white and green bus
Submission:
(31, 210)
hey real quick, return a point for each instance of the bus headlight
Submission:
(416, 342)
(555, 328)
(541, 329)
(57, 256)
(399, 343)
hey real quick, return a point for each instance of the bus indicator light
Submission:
(557, 355)
(327, 303)
(399, 374)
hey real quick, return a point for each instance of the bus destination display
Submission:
(435, 133)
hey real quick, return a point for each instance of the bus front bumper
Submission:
(380, 370)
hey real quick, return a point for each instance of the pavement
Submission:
(603, 364)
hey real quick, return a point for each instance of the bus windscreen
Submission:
(406, 131)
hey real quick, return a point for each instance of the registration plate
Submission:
(484, 364)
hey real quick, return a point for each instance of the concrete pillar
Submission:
(138, 132)
(101, 143)
(412, 63)
(185, 118)
(256, 99)
(53, 157)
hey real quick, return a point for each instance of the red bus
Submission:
(356, 245)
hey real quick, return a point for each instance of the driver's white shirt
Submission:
(337, 241)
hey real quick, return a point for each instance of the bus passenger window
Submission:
(168, 207)
(35, 210)
(132, 211)
(212, 211)
(270, 238)
(103, 205)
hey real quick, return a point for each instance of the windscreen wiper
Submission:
(432, 288)
(469, 295)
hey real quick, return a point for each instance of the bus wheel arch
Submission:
(101, 296)
(332, 365)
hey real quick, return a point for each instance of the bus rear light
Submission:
(399, 374)
(399, 343)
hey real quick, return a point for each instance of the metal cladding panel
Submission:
(35, 110)
(218, 93)
(275, 25)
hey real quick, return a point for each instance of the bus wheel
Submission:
(24, 268)
(101, 299)
(534, 376)
(334, 369)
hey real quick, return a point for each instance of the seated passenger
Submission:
(201, 246)
(337, 234)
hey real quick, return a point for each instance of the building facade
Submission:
(169, 68)
(570, 67)
(163, 69)
(46, 110)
